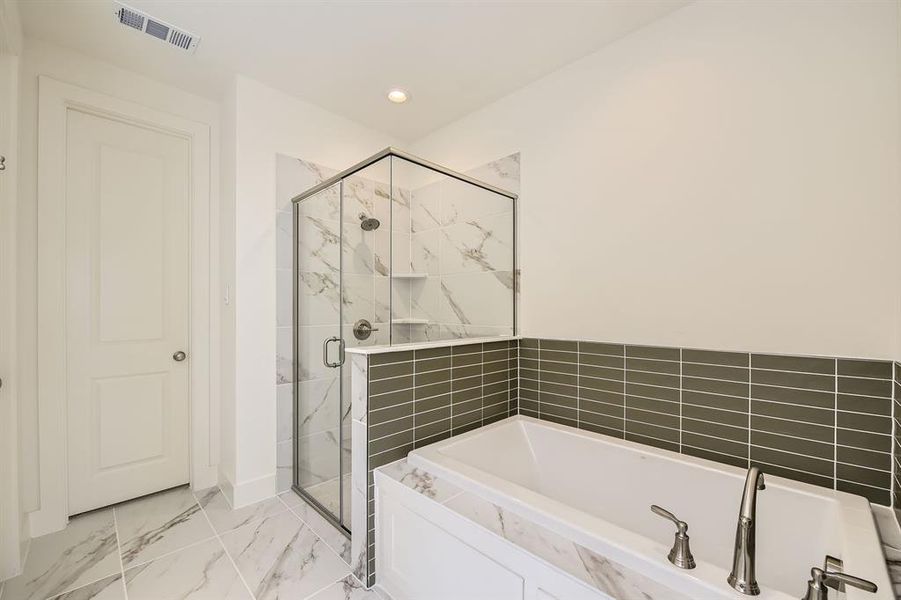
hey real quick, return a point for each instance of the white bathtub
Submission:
(597, 490)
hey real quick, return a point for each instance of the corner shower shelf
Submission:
(409, 275)
(410, 321)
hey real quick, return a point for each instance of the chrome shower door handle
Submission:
(325, 360)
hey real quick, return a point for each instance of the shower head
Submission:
(369, 223)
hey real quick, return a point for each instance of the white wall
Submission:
(40, 58)
(726, 177)
(269, 122)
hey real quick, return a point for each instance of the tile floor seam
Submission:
(313, 531)
(340, 579)
(119, 552)
(228, 555)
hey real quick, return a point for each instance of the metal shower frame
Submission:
(338, 179)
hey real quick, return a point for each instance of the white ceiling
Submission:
(452, 56)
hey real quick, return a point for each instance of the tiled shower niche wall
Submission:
(824, 421)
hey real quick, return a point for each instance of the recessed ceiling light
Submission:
(398, 96)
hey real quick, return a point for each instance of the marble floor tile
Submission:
(224, 518)
(333, 538)
(281, 557)
(155, 525)
(108, 588)
(200, 572)
(82, 553)
(347, 589)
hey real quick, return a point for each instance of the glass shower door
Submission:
(318, 351)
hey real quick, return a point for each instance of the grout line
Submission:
(681, 388)
(119, 550)
(224, 549)
(835, 429)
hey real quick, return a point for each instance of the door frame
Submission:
(55, 99)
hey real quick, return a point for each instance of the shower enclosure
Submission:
(391, 251)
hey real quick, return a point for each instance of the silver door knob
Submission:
(179, 356)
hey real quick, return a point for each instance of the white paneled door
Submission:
(128, 198)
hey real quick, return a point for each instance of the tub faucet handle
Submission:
(680, 555)
(820, 581)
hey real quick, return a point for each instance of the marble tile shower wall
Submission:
(365, 257)
(419, 397)
(461, 239)
(825, 421)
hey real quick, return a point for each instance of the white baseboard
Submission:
(248, 492)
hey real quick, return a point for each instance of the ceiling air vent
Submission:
(141, 21)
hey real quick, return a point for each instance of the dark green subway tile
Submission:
(383, 386)
(810, 431)
(735, 461)
(602, 396)
(601, 384)
(714, 415)
(559, 420)
(866, 404)
(528, 407)
(790, 411)
(805, 364)
(466, 395)
(435, 389)
(715, 444)
(466, 360)
(874, 495)
(488, 419)
(558, 356)
(601, 348)
(648, 391)
(567, 345)
(527, 394)
(496, 346)
(431, 403)
(608, 421)
(432, 428)
(475, 349)
(528, 379)
(807, 381)
(390, 427)
(458, 373)
(670, 422)
(654, 366)
(389, 357)
(792, 396)
(430, 416)
(732, 403)
(560, 411)
(660, 406)
(420, 379)
(465, 383)
(494, 399)
(494, 411)
(601, 372)
(664, 444)
(792, 461)
(726, 432)
(861, 422)
(602, 360)
(657, 379)
(390, 370)
(612, 432)
(528, 353)
(615, 410)
(798, 445)
(562, 378)
(878, 369)
(653, 352)
(464, 419)
(459, 408)
(391, 441)
(737, 374)
(862, 475)
(865, 387)
(569, 401)
(389, 414)
(782, 471)
(529, 363)
(715, 357)
(559, 367)
(495, 356)
(432, 353)
(501, 366)
(864, 458)
(425, 441)
(715, 386)
(864, 440)
(432, 364)
(559, 389)
(390, 399)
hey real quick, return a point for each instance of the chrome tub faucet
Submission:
(744, 560)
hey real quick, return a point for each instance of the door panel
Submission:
(127, 242)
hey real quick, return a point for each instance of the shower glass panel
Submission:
(392, 251)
